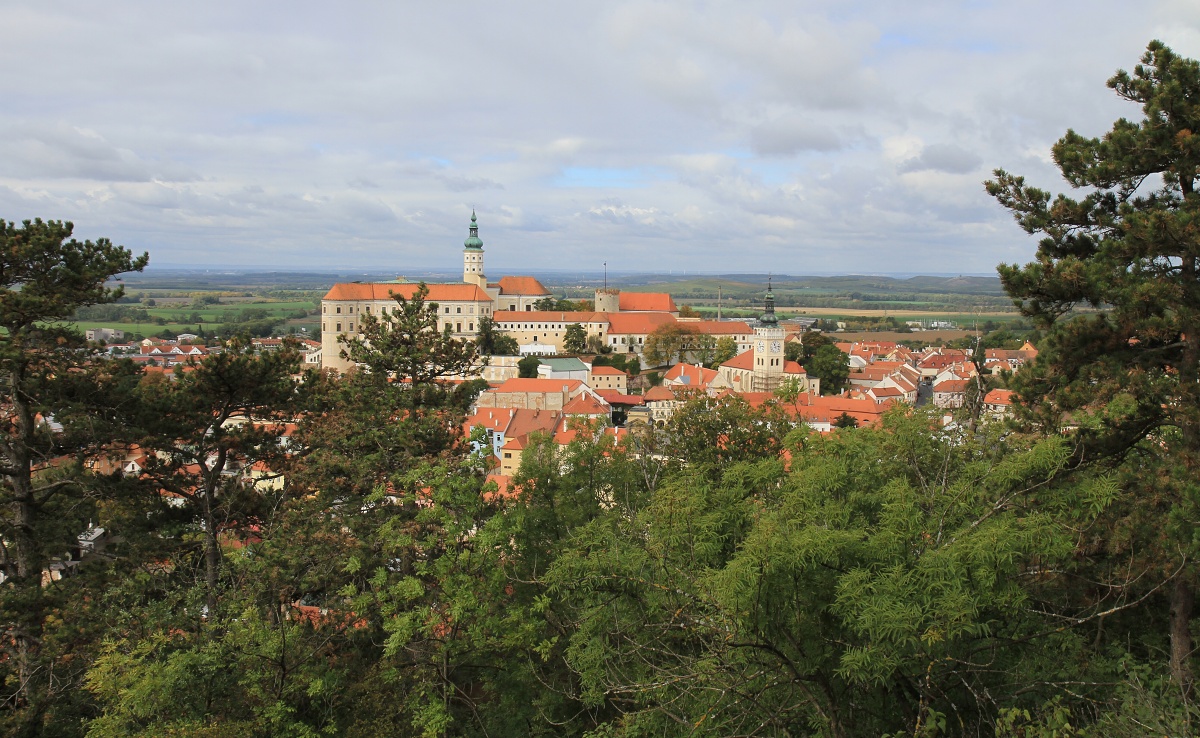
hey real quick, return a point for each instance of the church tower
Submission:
(768, 347)
(473, 257)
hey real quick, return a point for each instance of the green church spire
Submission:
(768, 317)
(473, 241)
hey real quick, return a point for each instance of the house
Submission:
(533, 394)
(950, 393)
(998, 402)
(689, 375)
(566, 368)
(602, 378)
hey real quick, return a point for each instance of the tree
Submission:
(491, 342)
(1116, 287)
(527, 368)
(845, 420)
(687, 311)
(208, 428)
(45, 277)
(575, 339)
(726, 350)
(830, 365)
(667, 343)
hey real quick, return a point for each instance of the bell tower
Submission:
(473, 257)
(768, 347)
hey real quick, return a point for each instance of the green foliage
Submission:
(575, 339)
(1125, 372)
(527, 368)
(831, 365)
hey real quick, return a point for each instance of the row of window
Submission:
(350, 327)
(350, 309)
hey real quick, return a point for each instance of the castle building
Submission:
(460, 305)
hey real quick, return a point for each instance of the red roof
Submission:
(525, 422)
(377, 291)
(607, 371)
(998, 397)
(951, 386)
(793, 367)
(647, 302)
(690, 374)
(521, 286)
(658, 394)
(585, 404)
(744, 360)
(612, 397)
(637, 323)
(717, 327)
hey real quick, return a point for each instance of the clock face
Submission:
(776, 346)
(762, 346)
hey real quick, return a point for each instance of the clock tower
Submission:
(768, 347)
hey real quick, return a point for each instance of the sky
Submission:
(786, 136)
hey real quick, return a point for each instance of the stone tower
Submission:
(768, 347)
(473, 257)
(608, 300)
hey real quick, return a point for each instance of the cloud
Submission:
(942, 158)
(756, 135)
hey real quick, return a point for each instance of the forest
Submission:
(243, 548)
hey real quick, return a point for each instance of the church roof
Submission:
(744, 360)
(385, 291)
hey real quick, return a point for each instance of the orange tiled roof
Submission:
(659, 394)
(585, 404)
(793, 367)
(647, 302)
(525, 422)
(998, 397)
(607, 371)
(637, 323)
(718, 327)
(376, 291)
(951, 385)
(744, 360)
(690, 374)
(521, 286)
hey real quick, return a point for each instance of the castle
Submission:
(461, 305)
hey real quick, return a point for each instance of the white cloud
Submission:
(758, 134)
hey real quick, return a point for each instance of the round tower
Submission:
(608, 300)
(473, 257)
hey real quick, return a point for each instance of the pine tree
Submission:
(45, 372)
(1116, 285)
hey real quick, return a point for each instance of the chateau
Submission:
(621, 322)
(461, 304)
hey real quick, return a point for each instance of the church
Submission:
(461, 305)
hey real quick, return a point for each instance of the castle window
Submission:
(324, 309)
(368, 309)
(470, 326)
(459, 310)
(447, 311)
(339, 309)
(529, 308)
(458, 327)
(339, 327)
(350, 328)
